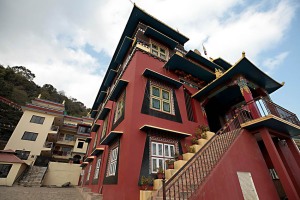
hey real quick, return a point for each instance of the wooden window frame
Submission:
(159, 50)
(161, 99)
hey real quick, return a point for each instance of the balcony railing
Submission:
(266, 107)
(48, 145)
(62, 153)
(54, 128)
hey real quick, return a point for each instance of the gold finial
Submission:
(63, 102)
(218, 73)
(197, 52)
(283, 83)
(211, 59)
(39, 96)
(243, 54)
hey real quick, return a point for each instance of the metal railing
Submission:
(265, 107)
(187, 179)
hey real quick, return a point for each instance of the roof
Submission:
(138, 15)
(223, 63)
(9, 157)
(245, 68)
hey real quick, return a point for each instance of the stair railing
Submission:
(193, 173)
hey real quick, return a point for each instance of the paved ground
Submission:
(38, 193)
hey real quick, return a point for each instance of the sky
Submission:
(69, 43)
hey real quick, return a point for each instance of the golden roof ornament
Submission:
(218, 73)
(197, 52)
(243, 54)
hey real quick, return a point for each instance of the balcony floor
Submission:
(275, 123)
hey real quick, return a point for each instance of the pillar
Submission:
(245, 90)
(284, 177)
(294, 150)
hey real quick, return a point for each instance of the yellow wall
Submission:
(60, 173)
(15, 172)
(16, 143)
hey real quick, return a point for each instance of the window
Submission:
(95, 140)
(189, 106)
(37, 119)
(161, 152)
(4, 170)
(89, 173)
(23, 155)
(69, 137)
(29, 136)
(84, 129)
(80, 145)
(160, 99)
(159, 51)
(120, 108)
(112, 166)
(104, 128)
(66, 151)
(97, 169)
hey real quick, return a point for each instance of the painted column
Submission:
(279, 166)
(294, 150)
(245, 90)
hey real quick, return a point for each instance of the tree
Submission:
(24, 72)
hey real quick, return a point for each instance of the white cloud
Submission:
(270, 64)
(49, 37)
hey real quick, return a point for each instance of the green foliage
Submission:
(17, 85)
(201, 132)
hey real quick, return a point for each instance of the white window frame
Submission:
(97, 169)
(113, 161)
(89, 173)
(158, 158)
(161, 99)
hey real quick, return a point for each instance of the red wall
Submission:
(133, 140)
(243, 156)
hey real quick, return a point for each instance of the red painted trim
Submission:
(49, 102)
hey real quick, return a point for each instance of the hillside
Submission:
(17, 85)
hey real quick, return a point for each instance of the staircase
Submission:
(34, 176)
(188, 179)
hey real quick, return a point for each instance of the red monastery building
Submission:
(159, 102)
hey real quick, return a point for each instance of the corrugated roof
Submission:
(8, 156)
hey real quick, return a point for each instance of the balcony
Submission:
(61, 154)
(54, 130)
(66, 142)
(270, 115)
(47, 149)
